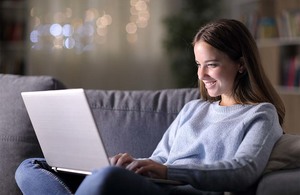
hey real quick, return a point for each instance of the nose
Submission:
(201, 72)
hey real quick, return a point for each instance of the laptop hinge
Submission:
(56, 169)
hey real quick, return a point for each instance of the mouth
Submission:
(209, 84)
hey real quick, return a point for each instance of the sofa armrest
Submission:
(280, 182)
(17, 138)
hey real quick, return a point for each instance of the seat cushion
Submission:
(17, 138)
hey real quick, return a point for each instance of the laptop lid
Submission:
(66, 130)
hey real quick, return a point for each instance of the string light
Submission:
(139, 17)
(62, 29)
(67, 31)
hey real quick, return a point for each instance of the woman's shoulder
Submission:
(263, 110)
(264, 106)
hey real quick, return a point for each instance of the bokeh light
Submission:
(56, 29)
(65, 28)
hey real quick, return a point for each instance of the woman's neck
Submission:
(227, 101)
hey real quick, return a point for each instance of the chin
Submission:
(213, 95)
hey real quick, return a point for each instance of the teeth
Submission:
(208, 84)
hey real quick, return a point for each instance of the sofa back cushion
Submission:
(134, 121)
(17, 138)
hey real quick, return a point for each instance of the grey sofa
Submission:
(129, 121)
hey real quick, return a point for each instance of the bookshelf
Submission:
(13, 36)
(276, 26)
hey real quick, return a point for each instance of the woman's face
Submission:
(217, 71)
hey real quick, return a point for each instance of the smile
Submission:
(209, 84)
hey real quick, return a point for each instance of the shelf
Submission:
(288, 90)
(13, 11)
(12, 46)
(242, 2)
(273, 24)
(271, 42)
(12, 5)
(13, 22)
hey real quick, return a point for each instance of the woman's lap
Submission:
(115, 180)
(34, 176)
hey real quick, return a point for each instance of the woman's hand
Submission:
(121, 160)
(148, 168)
(144, 167)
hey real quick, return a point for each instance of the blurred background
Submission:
(143, 44)
(138, 44)
(105, 44)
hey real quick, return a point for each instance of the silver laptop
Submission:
(67, 132)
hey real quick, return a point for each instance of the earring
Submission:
(241, 69)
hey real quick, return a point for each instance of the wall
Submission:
(99, 63)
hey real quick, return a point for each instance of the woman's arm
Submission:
(248, 163)
(162, 151)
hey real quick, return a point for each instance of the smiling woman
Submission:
(250, 84)
(217, 72)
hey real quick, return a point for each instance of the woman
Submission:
(219, 143)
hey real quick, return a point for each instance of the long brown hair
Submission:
(252, 86)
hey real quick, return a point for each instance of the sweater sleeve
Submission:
(162, 151)
(247, 165)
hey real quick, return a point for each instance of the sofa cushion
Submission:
(134, 121)
(285, 154)
(17, 138)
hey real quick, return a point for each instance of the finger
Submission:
(114, 159)
(153, 170)
(134, 165)
(124, 159)
(144, 169)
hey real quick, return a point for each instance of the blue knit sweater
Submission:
(219, 148)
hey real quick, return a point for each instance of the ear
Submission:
(241, 69)
(241, 65)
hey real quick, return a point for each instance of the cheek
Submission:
(225, 77)
(217, 74)
(228, 79)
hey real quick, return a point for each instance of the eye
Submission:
(198, 65)
(212, 65)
